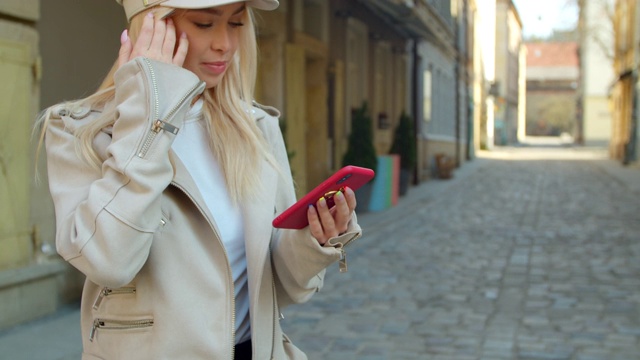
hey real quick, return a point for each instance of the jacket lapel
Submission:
(183, 180)
(257, 215)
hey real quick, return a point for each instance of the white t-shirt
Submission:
(192, 147)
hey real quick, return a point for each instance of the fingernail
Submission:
(150, 15)
(124, 36)
(339, 195)
(322, 202)
(183, 35)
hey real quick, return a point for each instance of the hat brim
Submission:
(132, 7)
(203, 4)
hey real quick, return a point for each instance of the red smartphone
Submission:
(295, 217)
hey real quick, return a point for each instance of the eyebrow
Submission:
(215, 11)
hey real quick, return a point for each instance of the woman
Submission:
(165, 182)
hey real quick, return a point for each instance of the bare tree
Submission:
(599, 27)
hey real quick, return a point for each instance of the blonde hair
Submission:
(235, 139)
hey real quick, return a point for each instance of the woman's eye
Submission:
(236, 24)
(203, 25)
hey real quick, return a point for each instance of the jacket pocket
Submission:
(108, 333)
(108, 292)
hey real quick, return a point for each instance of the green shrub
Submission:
(404, 142)
(360, 151)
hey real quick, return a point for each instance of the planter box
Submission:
(386, 183)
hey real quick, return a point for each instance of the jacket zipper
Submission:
(118, 325)
(106, 291)
(230, 271)
(159, 124)
(275, 308)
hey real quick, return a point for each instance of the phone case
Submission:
(295, 217)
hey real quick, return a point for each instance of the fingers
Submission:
(326, 218)
(315, 227)
(351, 198)
(169, 44)
(125, 49)
(157, 41)
(325, 223)
(342, 212)
(145, 37)
(181, 51)
(159, 38)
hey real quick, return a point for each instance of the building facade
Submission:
(508, 85)
(552, 81)
(624, 144)
(594, 116)
(320, 59)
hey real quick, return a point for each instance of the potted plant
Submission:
(360, 151)
(404, 144)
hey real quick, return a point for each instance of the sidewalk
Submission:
(54, 337)
(57, 337)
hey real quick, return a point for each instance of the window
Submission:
(427, 95)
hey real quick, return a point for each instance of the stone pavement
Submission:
(527, 253)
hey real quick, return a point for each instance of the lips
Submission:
(216, 67)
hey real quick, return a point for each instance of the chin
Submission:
(211, 83)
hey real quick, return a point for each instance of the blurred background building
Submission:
(595, 39)
(552, 84)
(457, 67)
(625, 18)
(509, 70)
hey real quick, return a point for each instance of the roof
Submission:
(552, 54)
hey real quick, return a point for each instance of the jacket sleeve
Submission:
(298, 259)
(105, 219)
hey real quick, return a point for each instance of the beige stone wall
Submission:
(53, 51)
(29, 282)
(22, 9)
(597, 120)
(18, 104)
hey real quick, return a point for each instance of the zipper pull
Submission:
(104, 292)
(162, 125)
(96, 325)
(343, 261)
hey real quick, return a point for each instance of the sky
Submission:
(541, 17)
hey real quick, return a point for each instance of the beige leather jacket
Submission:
(159, 285)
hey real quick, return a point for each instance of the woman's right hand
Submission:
(157, 41)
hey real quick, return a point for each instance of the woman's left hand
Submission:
(325, 223)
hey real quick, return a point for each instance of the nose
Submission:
(221, 41)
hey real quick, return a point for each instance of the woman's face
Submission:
(213, 36)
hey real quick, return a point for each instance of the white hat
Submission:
(132, 7)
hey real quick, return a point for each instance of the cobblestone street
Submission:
(527, 254)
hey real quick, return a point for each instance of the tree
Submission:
(600, 28)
